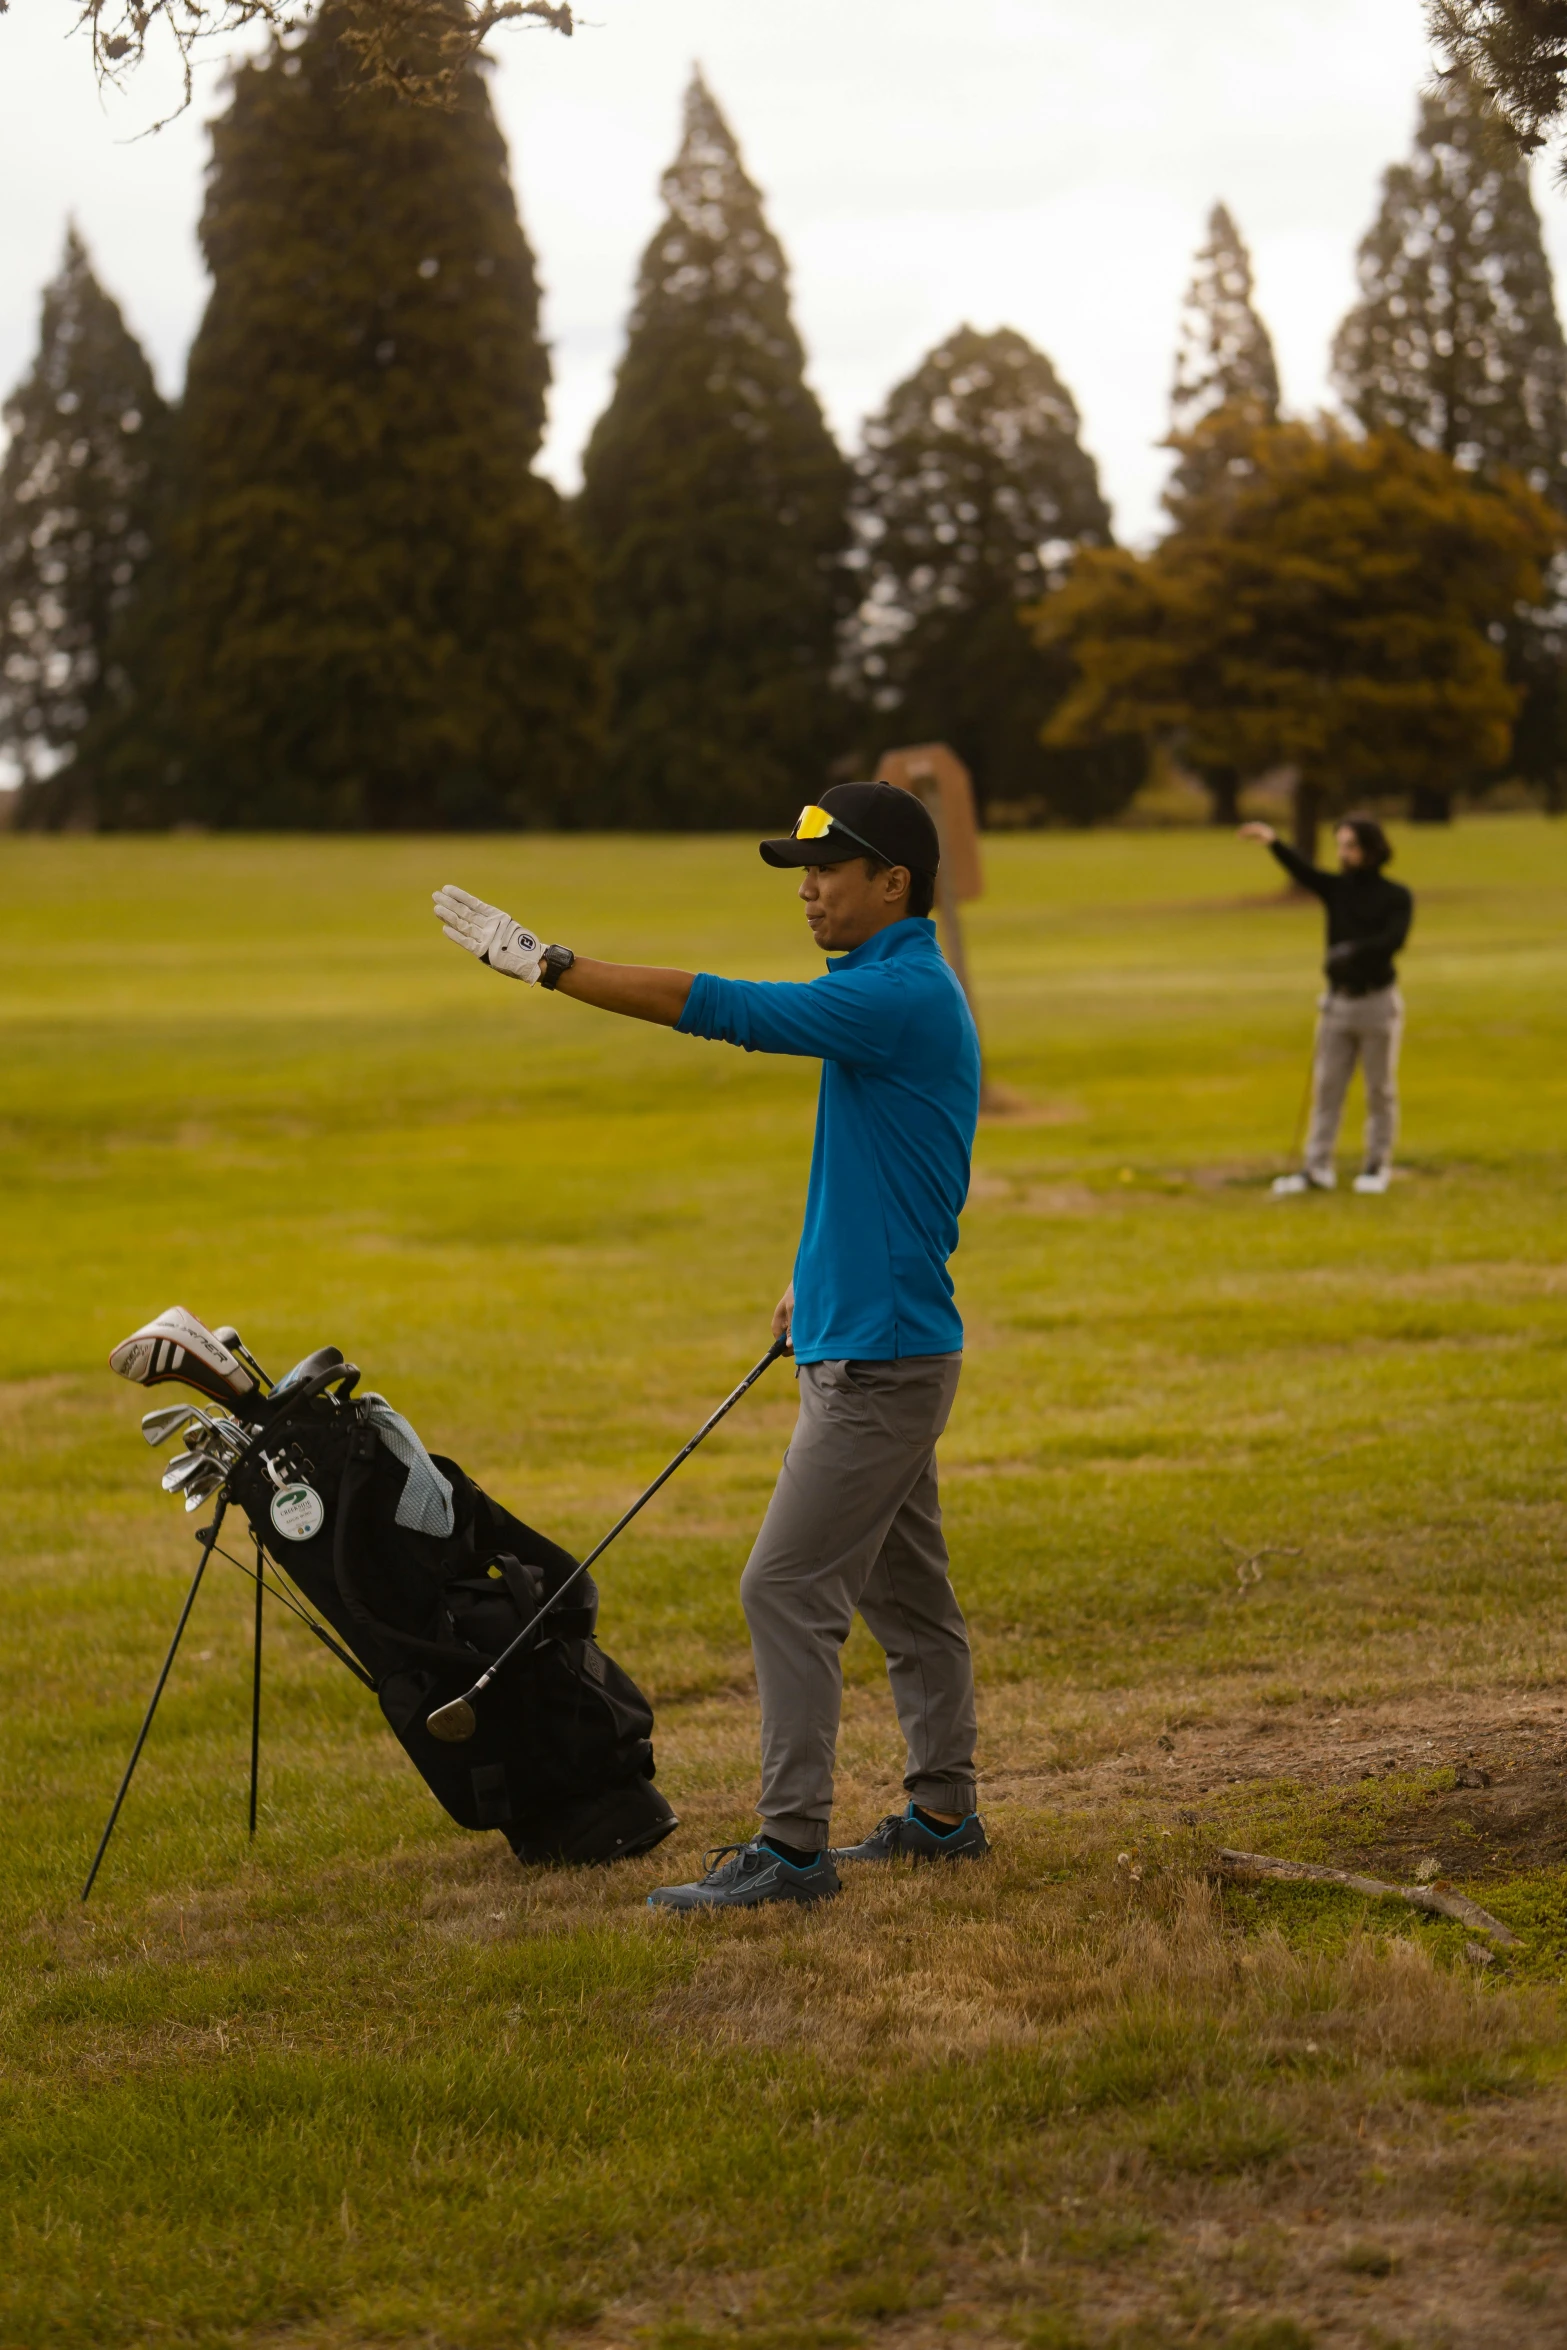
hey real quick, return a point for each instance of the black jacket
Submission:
(1368, 921)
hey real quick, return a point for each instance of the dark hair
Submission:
(1375, 846)
(922, 886)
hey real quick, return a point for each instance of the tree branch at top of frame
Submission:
(1516, 50)
(416, 48)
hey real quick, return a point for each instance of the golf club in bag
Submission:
(474, 1631)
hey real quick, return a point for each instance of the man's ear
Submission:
(899, 881)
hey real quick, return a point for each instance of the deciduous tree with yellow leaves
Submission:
(1337, 607)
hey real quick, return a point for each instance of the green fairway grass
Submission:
(367, 2081)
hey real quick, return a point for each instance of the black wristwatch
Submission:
(555, 962)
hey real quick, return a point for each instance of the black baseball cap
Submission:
(862, 819)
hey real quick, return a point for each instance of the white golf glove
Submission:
(488, 933)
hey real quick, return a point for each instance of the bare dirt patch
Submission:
(1512, 1749)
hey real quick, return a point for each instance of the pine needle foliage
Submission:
(1455, 339)
(84, 473)
(374, 614)
(714, 502)
(1335, 613)
(1516, 53)
(973, 492)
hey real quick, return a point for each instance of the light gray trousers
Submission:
(1366, 1028)
(854, 1523)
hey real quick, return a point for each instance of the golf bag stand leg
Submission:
(208, 1540)
(255, 1689)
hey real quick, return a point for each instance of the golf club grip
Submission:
(779, 1347)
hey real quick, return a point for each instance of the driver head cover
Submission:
(177, 1346)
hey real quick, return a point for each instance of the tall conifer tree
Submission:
(973, 493)
(375, 614)
(79, 493)
(1226, 385)
(1455, 338)
(715, 504)
(1224, 353)
(1456, 341)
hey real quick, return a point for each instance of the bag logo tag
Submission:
(298, 1512)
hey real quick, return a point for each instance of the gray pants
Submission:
(1366, 1028)
(854, 1522)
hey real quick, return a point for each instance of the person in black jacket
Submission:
(1362, 1013)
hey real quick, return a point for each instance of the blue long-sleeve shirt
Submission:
(894, 1129)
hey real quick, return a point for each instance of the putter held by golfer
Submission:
(457, 1721)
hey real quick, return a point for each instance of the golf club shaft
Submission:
(1302, 1114)
(208, 1540)
(779, 1347)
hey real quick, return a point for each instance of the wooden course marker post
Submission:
(934, 773)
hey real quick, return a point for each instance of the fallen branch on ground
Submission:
(1447, 1905)
(1250, 1569)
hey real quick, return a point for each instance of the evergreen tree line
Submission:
(330, 590)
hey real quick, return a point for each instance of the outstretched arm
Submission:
(640, 990)
(1309, 876)
(507, 946)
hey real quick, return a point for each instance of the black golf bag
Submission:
(561, 1761)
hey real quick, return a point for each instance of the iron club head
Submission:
(184, 1467)
(454, 1723)
(160, 1425)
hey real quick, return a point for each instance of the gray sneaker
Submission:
(743, 1876)
(900, 1836)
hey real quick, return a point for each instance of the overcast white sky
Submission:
(1043, 164)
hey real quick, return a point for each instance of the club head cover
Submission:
(177, 1346)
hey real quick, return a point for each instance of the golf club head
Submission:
(177, 1346)
(227, 1335)
(221, 1439)
(187, 1467)
(159, 1426)
(455, 1723)
(201, 1489)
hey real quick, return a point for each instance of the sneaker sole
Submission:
(874, 1860)
(687, 1909)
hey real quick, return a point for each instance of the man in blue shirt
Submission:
(855, 1522)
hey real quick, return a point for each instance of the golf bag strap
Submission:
(527, 1594)
(358, 1469)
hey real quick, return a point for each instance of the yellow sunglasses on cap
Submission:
(815, 824)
